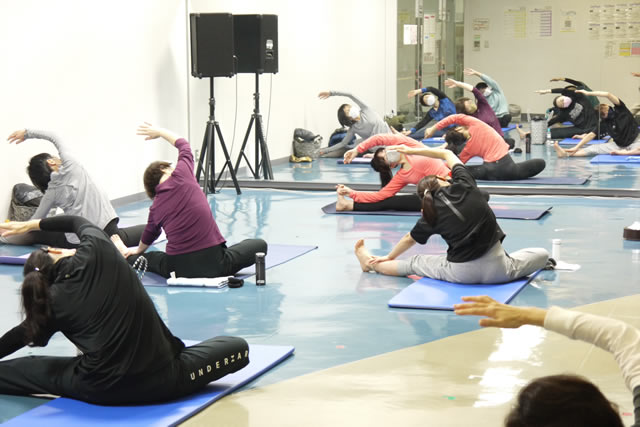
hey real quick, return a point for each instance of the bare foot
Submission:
(122, 248)
(363, 256)
(522, 133)
(344, 204)
(561, 152)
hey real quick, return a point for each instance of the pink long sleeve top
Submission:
(421, 166)
(484, 141)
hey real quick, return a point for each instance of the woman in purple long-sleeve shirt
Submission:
(195, 246)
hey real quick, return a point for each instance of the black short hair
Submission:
(455, 141)
(562, 400)
(343, 118)
(152, 176)
(422, 102)
(39, 171)
(481, 86)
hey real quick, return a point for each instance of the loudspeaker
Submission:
(256, 43)
(212, 53)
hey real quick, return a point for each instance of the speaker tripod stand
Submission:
(262, 161)
(207, 151)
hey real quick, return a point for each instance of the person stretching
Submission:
(544, 401)
(92, 296)
(476, 138)
(494, 95)
(459, 212)
(360, 119)
(412, 169)
(68, 186)
(616, 121)
(195, 246)
(441, 107)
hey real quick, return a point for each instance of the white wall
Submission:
(324, 45)
(91, 71)
(522, 66)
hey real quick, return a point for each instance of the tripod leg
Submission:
(209, 166)
(242, 153)
(203, 151)
(227, 162)
(261, 145)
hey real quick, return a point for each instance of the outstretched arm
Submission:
(401, 247)
(617, 337)
(450, 83)
(327, 94)
(435, 153)
(23, 134)
(152, 132)
(611, 97)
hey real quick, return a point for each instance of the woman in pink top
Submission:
(475, 138)
(412, 169)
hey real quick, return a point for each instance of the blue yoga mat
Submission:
(71, 413)
(433, 294)
(548, 180)
(613, 159)
(573, 141)
(508, 128)
(499, 211)
(276, 255)
(15, 260)
(437, 140)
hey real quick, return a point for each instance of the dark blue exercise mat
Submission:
(503, 212)
(15, 260)
(573, 141)
(508, 128)
(433, 294)
(614, 159)
(546, 180)
(276, 255)
(74, 413)
(358, 161)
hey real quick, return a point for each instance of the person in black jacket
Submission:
(96, 300)
(617, 122)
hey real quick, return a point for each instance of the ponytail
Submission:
(380, 165)
(36, 297)
(425, 189)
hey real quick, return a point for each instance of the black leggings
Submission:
(504, 120)
(403, 202)
(55, 239)
(506, 169)
(191, 369)
(216, 261)
(567, 132)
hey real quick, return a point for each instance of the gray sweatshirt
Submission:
(370, 124)
(72, 189)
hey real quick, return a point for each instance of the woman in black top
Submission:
(96, 300)
(572, 106)
(459, 212)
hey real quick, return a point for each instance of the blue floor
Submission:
(322, 303)
(602, 176)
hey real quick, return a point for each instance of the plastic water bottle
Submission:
(549, 136)
(260, 267)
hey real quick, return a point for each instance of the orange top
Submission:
(484, 142)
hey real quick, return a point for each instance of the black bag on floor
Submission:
(305, 143)
(25, 199)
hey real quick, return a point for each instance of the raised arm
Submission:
(435, 153)
(152, 132)
(611, 97)
(450, 83)
(23, 134)
(327, 94)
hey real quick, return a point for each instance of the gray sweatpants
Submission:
(496, 266)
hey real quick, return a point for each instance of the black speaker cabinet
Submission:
(256, 43)
(212, 52)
